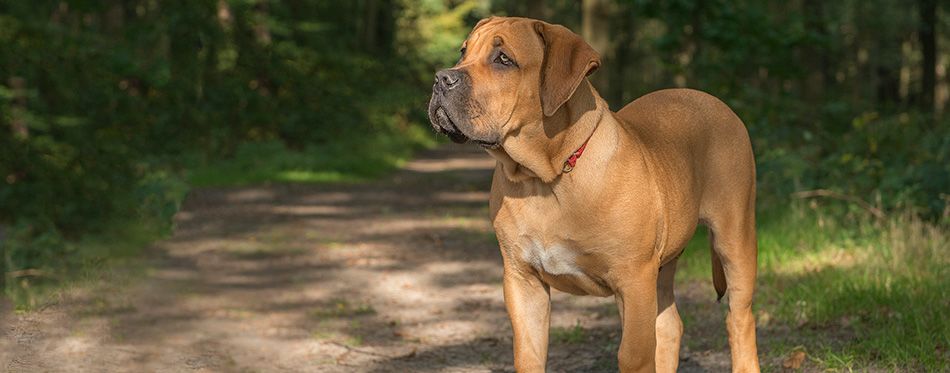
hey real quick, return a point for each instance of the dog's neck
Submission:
(539, 150)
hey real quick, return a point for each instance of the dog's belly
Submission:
(562, 267)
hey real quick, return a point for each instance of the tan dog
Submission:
(594, 202)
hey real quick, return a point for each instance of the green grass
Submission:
(571, 335)
(72, 262)
(105, 256)
(340, 308)
(855, 291)
(347, 161)
(39, 261)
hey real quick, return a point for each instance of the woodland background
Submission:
(111, 110)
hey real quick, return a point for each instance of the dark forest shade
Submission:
(106, 103)
(927, 33)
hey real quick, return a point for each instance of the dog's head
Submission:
(513, 71)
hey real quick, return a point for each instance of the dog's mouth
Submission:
(487, 144)
(447, 127)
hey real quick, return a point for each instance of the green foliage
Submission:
(440, 28)
(830, 91)
(345, 161)
(113, 104)
(858, 289)
(815, 120)
(572, 335)
(110, 110)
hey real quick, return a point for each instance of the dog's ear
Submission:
(568, 59)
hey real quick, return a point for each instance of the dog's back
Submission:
(703, 160)
(698, 143)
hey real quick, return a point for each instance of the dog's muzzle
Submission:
(449, 86)
(444, 125)
(445, 82)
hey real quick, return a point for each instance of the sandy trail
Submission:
(398, 275)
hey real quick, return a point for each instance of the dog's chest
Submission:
(535, 232)
(563, 265)
(570, 243)
(554, 259)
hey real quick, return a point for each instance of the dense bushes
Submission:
(834, 96)
(106, 104)
(894, 160)
(106, 107)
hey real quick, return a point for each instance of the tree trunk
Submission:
(537, 9)
(888, 85)
(815, 54)
(624, 32)
(371, 11)
(378, 30)
(694, 66)
(511, 8)
(596, 30)
(261, 30)
(4, 267)
(386, 30)
(115, 18)
(927, 35)
(224, 15)
(17, 121)
(888, 61)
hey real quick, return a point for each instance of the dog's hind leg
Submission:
(734, 243)
(669, 327)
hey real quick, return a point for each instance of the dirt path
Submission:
(400, 275)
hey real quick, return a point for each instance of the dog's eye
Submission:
(462, 52)
(504, 59)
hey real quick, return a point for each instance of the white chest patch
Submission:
(555, 259)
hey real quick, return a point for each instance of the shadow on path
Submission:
(402, 274)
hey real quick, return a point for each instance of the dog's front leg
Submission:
(529, 306)
(636, 299)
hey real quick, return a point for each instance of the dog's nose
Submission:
(448, 78)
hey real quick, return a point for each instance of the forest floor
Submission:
(401, 274)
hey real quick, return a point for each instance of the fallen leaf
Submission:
(794, 360)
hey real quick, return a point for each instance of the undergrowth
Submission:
(858, 290)
(39, 261)
(348, 160)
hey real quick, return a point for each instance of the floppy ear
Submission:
(568, 59)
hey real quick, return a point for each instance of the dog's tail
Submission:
(719, 276)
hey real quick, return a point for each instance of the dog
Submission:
(595, 202)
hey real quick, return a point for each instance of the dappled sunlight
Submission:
(257, 185)
(303, 176)
(408, 274)
(250, 195)
(481, 197)
(76, 345)
(312, 210)
(452, 165)
(446, 225)
(328, 197)
(810, 262)
(286, 268)
(473, 160)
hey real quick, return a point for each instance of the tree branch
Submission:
(843, 197)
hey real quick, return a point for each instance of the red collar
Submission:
(572, 160)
